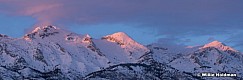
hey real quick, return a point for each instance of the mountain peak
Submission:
(214, 44)
(131, 47)
(120, 34)
(119, 37)
(43, 32)
(219, 45)
(44, 28)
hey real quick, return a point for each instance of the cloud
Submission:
(154, 13)
(174, 19)
(173, 41)
(236, 40)
(210, 39)
(43, 11)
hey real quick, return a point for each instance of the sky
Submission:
(175, 22)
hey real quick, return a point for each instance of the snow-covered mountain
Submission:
(131, 47)
(49, 52)
(214, 57)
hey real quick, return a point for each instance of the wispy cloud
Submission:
(167, 15)
(174, 19)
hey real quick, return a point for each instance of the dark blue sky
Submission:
(178, 22)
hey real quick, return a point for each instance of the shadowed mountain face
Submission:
(52, 53)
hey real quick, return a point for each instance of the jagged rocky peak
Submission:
(87, 38)
(219, 45)
(77, 37)
(45, 28)
(42, 32)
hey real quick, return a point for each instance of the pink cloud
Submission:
(43, 11)
(169, 17)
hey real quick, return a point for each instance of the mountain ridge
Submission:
(47, 49)
(50, 52)
(219, 45)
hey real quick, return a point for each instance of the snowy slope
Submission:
(49, 52)
(131, 47)
(166, 54)
(212, 57)
(46, 49)
(137, 71)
